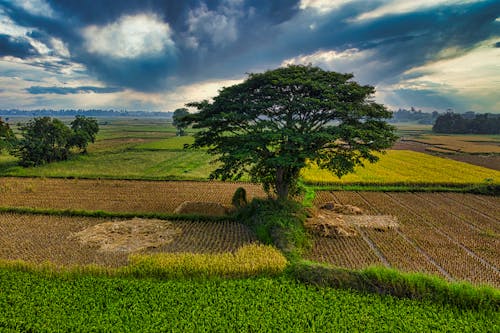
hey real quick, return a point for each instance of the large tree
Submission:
(84, 131)
(275, 123)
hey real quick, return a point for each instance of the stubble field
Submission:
(455, 236)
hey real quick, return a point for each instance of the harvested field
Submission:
(491, 161)
(115, 195)
(456, 236)
(37, 239)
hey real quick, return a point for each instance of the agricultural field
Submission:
(481, 150)
(407, 167)
(40, 303)
(41, 238)
(452, 235)
(131, 196)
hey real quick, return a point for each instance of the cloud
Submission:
(16, 47)
(36, 90)
(36, 7)
(142, 35)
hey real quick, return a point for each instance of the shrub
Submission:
(239, 199)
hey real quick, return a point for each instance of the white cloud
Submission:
(130, 37)
(404, 6)
(220, 27)
(36, 7)
(59, 48)
(323, 6)
(475, 72)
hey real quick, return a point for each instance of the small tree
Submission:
(7, 137)
(48, 139)
(84, 131)
(179, 114)
(275, 123)
(44, 140)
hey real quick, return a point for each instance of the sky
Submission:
(158, 55)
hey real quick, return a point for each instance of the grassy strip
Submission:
(31, 302)
(488, 189)
(387, 281)
(250, 260)
(104, 214)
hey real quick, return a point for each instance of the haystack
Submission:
(333, 220)
(329, 224)
(129, 235)
(342, 209)
(201, 208)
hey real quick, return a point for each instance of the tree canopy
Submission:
(275, 123)
(7, 137)
(46, 139)
(180, 125)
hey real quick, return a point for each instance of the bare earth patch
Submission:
(128, 236)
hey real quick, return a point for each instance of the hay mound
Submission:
(128, 236)
(377, 222)
(329, 224)
(201, 208)
(333, 220)
(342, 209)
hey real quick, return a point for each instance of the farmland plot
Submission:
(38, 239)
(456, 236)
(115, 195)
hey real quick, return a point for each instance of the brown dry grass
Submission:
(201, 208)
(38, 239)
(115, 195)
(463, 143)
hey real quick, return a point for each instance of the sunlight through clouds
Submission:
(130, 37)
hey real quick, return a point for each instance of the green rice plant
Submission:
(33, 302)
(249, 260)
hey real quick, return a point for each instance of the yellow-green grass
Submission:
(407, 167)
(127, 164)
(248, 260)
(173, 143)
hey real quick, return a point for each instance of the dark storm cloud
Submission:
(423, 99)
(16, 47)
(36, 90)
(265, 33)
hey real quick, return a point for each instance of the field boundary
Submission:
(104, 214)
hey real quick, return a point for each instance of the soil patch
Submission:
(128, 236)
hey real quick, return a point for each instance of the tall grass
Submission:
(248, 261)
(388, 281)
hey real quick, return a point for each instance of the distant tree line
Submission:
(454, 123)
(412, 115)
(88, 113)
(46, 139)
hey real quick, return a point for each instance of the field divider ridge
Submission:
(105, 214)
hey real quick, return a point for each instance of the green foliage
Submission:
(32, 302)
(239, 199)
(278, 222)
(47, 140)
(7, 137)
(84, 131)
(387, 281)
(44, 140)
(274, 122)
(178, 122)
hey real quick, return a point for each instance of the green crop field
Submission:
(407, 167)
(34, 302)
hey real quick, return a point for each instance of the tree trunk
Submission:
(282, 184)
